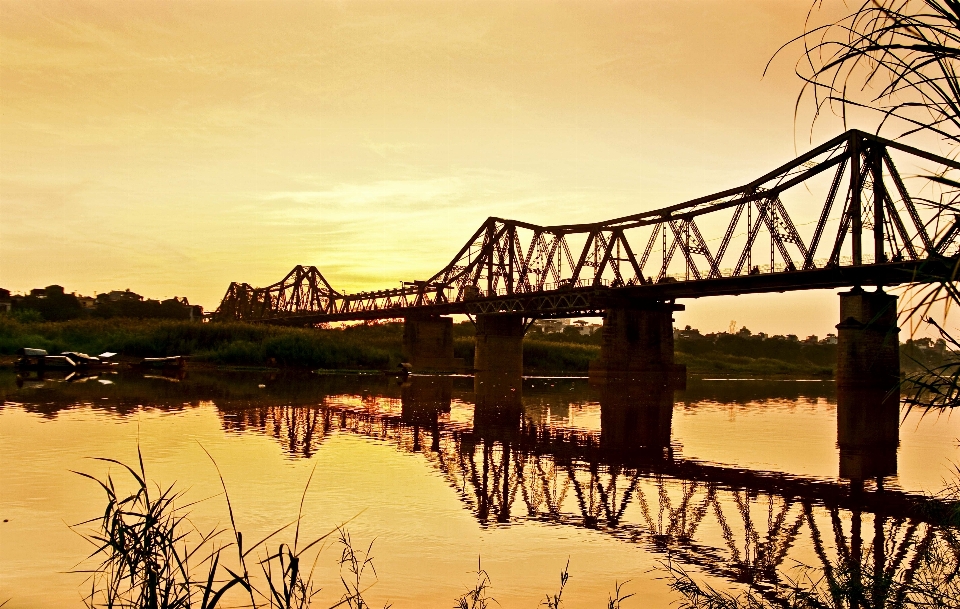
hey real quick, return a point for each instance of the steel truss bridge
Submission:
(839, 215)
(745, 526)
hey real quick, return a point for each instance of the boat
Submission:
(88, 362)
(173, 362)
(39, 359)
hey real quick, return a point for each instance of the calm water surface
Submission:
(735, 480)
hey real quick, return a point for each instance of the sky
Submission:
(173, 147)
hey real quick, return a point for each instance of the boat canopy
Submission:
(28, 352)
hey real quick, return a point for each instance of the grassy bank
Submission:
(234, 344)
(372, 347)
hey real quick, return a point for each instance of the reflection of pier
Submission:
(741, 524)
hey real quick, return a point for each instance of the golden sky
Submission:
(173, 147)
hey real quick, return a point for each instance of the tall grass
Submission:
(374, 346)
(236, 344)
(148, 554)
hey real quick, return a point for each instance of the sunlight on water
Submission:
(437, 483)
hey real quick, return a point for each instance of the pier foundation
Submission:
(868, 347)
(499, 344)
(637, 345)
(868, 371)
(428, 344)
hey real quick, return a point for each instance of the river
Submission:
(736, 481)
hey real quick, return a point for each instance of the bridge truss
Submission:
(839, 215)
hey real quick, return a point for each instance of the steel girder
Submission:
(867, 218)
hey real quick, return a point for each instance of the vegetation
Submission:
(52, 304)
(379, 346)
(894, 58)
(148, 554)
(232, 344)
(151, 556)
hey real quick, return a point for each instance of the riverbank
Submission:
(371, 347)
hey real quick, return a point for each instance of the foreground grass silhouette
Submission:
(148, 554)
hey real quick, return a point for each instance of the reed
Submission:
(148, 554)
(479, 596)
(230, 344)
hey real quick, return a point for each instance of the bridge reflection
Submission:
(517, 452)
(625, 481)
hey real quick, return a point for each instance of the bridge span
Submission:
(839, 216)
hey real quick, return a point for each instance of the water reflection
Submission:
(636, 419)
(868, 432)
(504, 448)
(422, 400)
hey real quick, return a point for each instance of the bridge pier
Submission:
(868, 349)
(498, 376)
(499, 344)
(428, 343)
(868, 371)
(637, 345)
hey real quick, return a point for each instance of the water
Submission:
(733, 479)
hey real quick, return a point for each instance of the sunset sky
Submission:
(173, 147)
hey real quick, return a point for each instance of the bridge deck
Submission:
(590, 300)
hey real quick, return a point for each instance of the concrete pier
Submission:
(868, 371)
(499, 344)
(637, 345)
(428, 344)
(868, 347)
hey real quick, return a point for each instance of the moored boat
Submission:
(162, 363)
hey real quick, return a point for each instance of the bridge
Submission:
(839, 216)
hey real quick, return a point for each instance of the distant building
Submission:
(5, 302)
(586, 328)
(117, 295)
(686, 333)
(831, 339)
(87, 302)
(552, 326)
